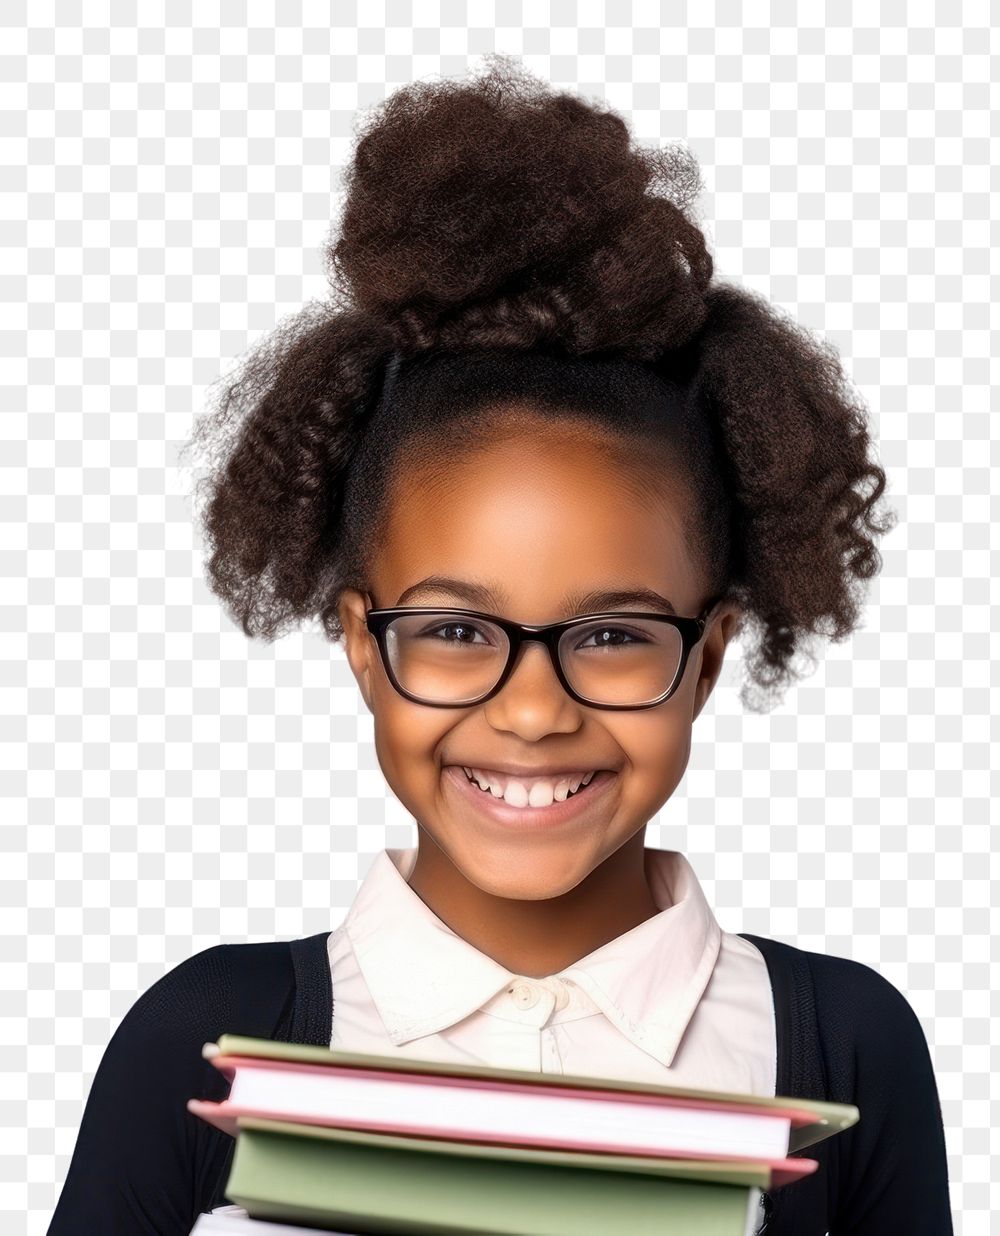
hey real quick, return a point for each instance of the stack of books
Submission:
(361, 1144)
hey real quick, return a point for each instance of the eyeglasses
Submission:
(454, 658)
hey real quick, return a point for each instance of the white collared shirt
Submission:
(675, 1000)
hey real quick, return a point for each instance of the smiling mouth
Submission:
(518, 792)
(553, 811)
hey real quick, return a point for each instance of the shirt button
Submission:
(525, 996)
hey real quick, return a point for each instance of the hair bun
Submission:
(498, 213)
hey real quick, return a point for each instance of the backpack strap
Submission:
(262, 988)
(312, 1012)
(803, 1207)
(260, 998)
(801, 1072)
(280, 990)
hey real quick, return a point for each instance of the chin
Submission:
(521, 876)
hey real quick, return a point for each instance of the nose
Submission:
(532, 701)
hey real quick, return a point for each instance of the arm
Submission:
(894, 1176)
(142, 1163)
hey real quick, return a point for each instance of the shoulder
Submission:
(841, 987)
(157, 1047)
(225, 988)
(862, 1018)
(877, 1057)
(853, 998)
(890, 1169)
(152, 1165)
(184, 994)
(872, 1040)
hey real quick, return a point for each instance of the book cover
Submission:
(280, 1174)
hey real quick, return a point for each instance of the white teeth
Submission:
(540, 792)
(519, 796)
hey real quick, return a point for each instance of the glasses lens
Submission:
(621, 660)
(445, 659)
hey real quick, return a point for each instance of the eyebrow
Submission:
(489, 597)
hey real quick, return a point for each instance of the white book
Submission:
(597, 1121)
(475, 1103)
(234, 1221)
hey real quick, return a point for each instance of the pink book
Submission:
(478, 1105)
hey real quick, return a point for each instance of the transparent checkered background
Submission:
(168, 785)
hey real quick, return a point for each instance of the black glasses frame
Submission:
(518, 633)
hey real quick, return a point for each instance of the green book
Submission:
(366, 1183)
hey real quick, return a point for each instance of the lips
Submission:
(497, 810)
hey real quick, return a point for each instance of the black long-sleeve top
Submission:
(143, 1165)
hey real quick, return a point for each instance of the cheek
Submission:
(657, 749)
(407, 741)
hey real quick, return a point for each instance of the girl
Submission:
(535, 470)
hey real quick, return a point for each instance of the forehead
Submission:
(540, 517)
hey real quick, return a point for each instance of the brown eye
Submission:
(466, 629)
(634, 637)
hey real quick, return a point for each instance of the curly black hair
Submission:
(505, 243)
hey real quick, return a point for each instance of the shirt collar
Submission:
(423, 977)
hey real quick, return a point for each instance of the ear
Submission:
(358, 641)
(725, 622)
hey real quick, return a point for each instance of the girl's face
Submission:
(536, 520)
